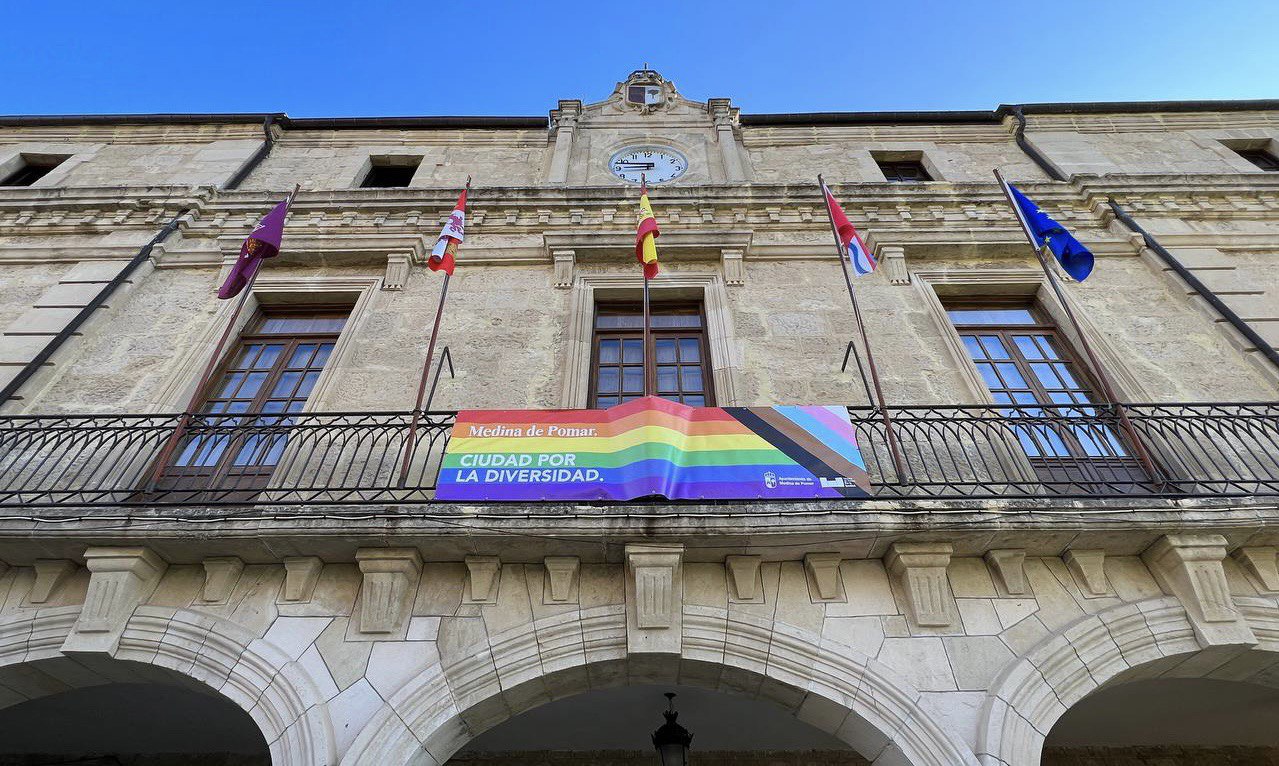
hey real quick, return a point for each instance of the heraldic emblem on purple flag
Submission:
(262, 243)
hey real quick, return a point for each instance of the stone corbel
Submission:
(1008, 565)
(398, 266)
(50, 574)
(893, 259)
(221, 573)
(732, 260)
(119, 580)
(1088, 569)
(565, 266)
(390, 584)
(724, 116)
(561, 579)
(654, 598)
(301, 573)
(1189, 567)
(743, 579)
(481, 579)
(920, 571)
(564, 124)
(1260, 562)
(823, 577)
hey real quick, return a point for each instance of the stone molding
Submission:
(654, 598)
(389, 585)
(1190, 568)
(119, 580)
(920, 571)
(301, 573)
(50, 574)
(221, 573)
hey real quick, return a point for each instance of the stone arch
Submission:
(1124, 643)
(252, 673)
(826, 684)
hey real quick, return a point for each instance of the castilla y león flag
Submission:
(646, 236)
(443, 255)
(262, 243)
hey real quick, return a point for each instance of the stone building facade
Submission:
(959, 616)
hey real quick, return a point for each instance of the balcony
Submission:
(947, 453)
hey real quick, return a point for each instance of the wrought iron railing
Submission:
(1199, 450)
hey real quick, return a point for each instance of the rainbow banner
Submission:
(653, 447)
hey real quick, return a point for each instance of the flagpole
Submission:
(1107, 390)
(409, 447)
(184, 421)
(644, 269)
(894, 450)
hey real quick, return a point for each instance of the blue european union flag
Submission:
(1073, 257)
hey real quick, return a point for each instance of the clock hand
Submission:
(638, 165)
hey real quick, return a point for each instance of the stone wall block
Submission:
(119, 580)
(1260, 562)
(50, 574)
(390, 581)
(654, 598)
(1189, 567)
(301, 573)
(221, 573)
(920, 570)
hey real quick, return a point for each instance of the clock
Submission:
(657, 164)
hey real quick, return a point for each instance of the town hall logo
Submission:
(770, 480)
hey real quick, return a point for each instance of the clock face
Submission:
(656, 164)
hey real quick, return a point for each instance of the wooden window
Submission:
(265, 380)
(678, 363)
(1026, 362)
(1261, 158)
(33, 168)
(390, 172)
(903, 171)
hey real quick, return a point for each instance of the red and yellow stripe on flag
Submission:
(646, 236)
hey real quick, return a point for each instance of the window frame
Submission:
(885, 165)
(650, 353)
(1260, 157)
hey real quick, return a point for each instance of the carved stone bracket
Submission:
(654, 598)
(1009, 567)
(50, 574)
(893, 259)
(398, 266)
(732, 261)
(920, 572)
(565, 265)
(823, 577)
(1088, 569)
(481, 579)
(221, 573)
(1260, 562)
(301, 573)
(743, 579)
(390, 583)
(119, 580)
(561, 579)
(1189, 567)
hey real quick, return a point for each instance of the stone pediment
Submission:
(644, 93)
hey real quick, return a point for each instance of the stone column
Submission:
(725, 118)
(565, 121)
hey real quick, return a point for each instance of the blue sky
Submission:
(325, 58)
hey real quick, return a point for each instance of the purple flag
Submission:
(263, 242)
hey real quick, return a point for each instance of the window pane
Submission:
(988, 375)
(667, 379)
(1011, 375)
(991, 316)
(610, 351)
(632, 380)
(246, 356)
(285, 385)
(665, 350)
(607, 380)
(619, 322)
(252, 382)
(302, 355)
(633, 351)
(322, 357)
(691, 320)
(689, 350)
(695, 401)
(308, 383)
(229, 385)
(268, 357)
(1045, 374)
(605, 401)
(994, 347)
(974, 348)
(691, 378)
(1063, 373)
(1026, 345)
(303, 323)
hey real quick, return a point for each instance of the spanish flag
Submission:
(646, 236)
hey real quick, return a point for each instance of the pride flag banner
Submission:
(653, 447)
